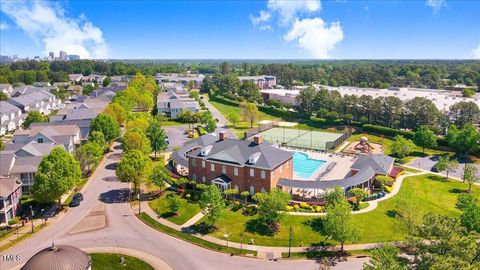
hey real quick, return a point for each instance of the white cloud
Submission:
(265, 28)
(4, 26)
(476, 52)
(263, 17)
(436, 5)
(288, 10)
(315, 36)
(48, 23)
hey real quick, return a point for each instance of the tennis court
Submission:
(300, 138)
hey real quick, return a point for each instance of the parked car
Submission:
(77, 198)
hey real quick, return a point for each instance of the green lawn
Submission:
(431, 194)
(187, 209)
(108, 261)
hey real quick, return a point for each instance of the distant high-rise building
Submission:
(63, 55)
(51, 54)
(73, 57)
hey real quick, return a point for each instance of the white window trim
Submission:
(235, 171)
(212, 167)
(203, 163)
(262, 174)
(224, 169)
(252, 172)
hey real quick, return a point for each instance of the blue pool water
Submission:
(304, 166)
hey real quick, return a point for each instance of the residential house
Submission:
(262, 81)
(172, 104)
(10, 195)
(6, 88)
(21, 161)
(42, 84)
(66, 135)
(29, 98)
(11, 117)
(254, 166)
(75, 78)
(94, 78)
(183, 79)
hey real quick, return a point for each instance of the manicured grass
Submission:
(191, 238)
(6, 245)
(430, 193)
(109, 261)
(187, 209)
(324, 254)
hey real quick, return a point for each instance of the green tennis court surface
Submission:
(299, 138)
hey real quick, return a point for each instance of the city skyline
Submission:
(242, 30)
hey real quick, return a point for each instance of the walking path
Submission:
(372, 205)
(193, 220)
(262, 251)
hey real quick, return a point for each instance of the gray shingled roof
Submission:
(7, 108)
(179, 155)
(238, 152)
(8, 186)
(381, 164)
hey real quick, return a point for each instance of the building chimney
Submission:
(257, 139)
(222, 135)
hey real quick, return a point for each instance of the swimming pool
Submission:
(304, 166)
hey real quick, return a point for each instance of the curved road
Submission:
(123, 229)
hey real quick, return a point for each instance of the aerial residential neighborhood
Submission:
(239, 135)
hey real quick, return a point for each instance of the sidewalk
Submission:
(262, 251)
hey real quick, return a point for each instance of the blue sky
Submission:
(432, 29)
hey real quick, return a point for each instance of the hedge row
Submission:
(391, 132)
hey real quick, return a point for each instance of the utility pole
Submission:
(290, 241)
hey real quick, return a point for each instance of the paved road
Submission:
(123, 229)
(222, 122)
(426, 163)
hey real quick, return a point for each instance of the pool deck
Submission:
(339, 170)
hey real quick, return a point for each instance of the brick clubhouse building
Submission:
(253, 166)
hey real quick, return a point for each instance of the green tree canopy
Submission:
(425, 138)
(34, 117)
(402, 147)
(212, 204)
(88, 156)
(107, 125)
(57, 173)
(251, 113)
(134, 167)
(338, 224)
(136, 140)
(117, 112)
(157, 136)
(271, 205)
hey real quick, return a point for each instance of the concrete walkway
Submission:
(262, 251)
(193, 220)
(372, 205)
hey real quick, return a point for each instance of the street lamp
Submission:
(227, 235)
(139, 202)
(290, 241)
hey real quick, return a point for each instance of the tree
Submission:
(251, 113)
(334, 196)
(139, 123)
(33, 117)
(465, 140)
(305, 101)
(271, 205)
(470, 217)
(244, 195)
(464, 113)
(338, 225)
(212, 204)
(107, 125)
(3, 96)
(401, 147)
(230, 193)
(98, 138)
(209, 122)
(250, 91)
(384, 258)
(134, 167)
(107, 81)
(57, 173)
(425, 138)
(383, 180)
(145, 102)
(88, 156)
(173, 203)
(136, 140)
(470, 175)
(157, 136)
(359, 194)
(233, 118)
(445, 164)
(117, 112)
(159, 177)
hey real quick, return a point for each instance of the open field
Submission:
(429, 192)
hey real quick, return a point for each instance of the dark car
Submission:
(77, 198)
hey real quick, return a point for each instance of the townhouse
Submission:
(11, 117)
(10, 195)
(29, 98)
(172, 104)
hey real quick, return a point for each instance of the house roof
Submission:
(26, 164)
(6, 108)
(8, 186)
(6, 162)
(238, 152)
(179, 156)
(381, 164)
(33, 148)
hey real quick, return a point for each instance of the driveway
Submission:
(427, 163)
(222, 122)
(105, 194)
(176, 136)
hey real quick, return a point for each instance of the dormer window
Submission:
(205, 150)
(39, 140)
(252, 159)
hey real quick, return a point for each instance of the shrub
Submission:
(319, 209)
(296, 206)
(304, 205)
(201, 131)
(288, 208)
(13, 221)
